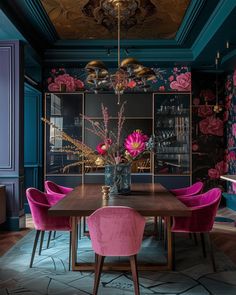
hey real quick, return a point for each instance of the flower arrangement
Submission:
(112, 150)
(59, 80)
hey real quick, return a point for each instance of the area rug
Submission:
(50, 274)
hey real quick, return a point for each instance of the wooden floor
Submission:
(223, 235)
(10, 238)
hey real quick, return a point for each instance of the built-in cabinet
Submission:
(167, 116)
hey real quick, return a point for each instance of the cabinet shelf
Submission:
(170, 120)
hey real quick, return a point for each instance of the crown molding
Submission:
(213, 24)
(190, 18)
(41, 19)
(145, 55)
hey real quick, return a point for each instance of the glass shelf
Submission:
(172, 133)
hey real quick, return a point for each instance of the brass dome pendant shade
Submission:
(128, 70)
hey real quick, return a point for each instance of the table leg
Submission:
(169, 244)
(74, 243)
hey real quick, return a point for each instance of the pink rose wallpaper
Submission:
(208, 148)
(61, 81)
(205, 111)
(212, 125)
(74, 79)
(182, 82)
(231, 126)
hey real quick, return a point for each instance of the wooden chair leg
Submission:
(211, 252)
(173, 250)
(41, 242)
(160, 227)
(80, 228)
(165, 234)
(54, 235)
(203, 245)
(70, 250)
(49, 238)
(34, 247)
(98, 269)
(134, 269)
(155, 226)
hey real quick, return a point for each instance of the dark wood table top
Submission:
(146, 198)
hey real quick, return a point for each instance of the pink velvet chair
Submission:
(39, 205)
(52, 188)
(203, 208)
(194, 189)
(116, 231)
(57, 193)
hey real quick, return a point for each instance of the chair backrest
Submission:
(191, 190)
(116, 231)
(51, 188)
(39, 205)
(204, 208)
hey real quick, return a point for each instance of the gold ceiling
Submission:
(95, 19)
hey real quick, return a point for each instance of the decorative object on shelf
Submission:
(130, 72)
(118, 177)
(105, 192)
(111, 151)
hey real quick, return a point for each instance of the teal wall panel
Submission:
(33, 142)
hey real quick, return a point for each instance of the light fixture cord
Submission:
(216, 86)
(118, 35)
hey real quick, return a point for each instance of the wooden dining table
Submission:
(151, 200)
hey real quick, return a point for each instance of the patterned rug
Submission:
(50, 274)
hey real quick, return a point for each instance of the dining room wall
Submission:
(208, 129)
(230, 106)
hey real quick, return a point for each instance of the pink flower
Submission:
(67, 80)
(213, 173)
(231, 156)
(228, 84)
(132, 84)
(230, 142)
(49, 80)
(211, 125)
(226, 116)
(195, 147)
(162, 88)
(102, 148)
(204, 111)
(222, 167)
(196, 101)
(54, 87)
(234, 78)
(53, 71)
(78, 84)
(135, 143)
(234, 129)
(208, 94)
(171, 78)
(182, 83)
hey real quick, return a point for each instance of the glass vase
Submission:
(118, 177)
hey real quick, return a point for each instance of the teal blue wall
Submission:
(33, 141)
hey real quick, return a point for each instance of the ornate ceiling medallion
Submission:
(132, 12)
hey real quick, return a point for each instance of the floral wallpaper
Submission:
(230, 105)
(74, 79)
(209, 117)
